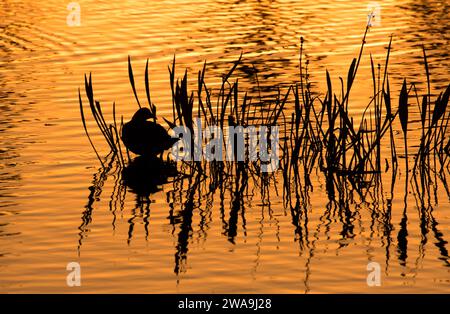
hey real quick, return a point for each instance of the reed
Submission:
(109, 131)
(318, 137)
(434, 124)
(319, 133)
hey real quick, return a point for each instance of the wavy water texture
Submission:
(56, 206)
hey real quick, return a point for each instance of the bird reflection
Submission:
(354, 191)
(145, 175)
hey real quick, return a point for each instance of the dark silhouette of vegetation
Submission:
(318, 135)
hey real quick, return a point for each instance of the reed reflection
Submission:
(319, 139)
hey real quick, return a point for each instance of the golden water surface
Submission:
(53, 212)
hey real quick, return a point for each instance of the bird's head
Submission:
(143, 114)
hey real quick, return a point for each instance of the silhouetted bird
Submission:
(146, 138)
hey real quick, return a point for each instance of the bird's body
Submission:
(146, 138)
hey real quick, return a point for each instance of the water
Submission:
(47, 167)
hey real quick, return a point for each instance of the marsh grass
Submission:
(109, 131)
(319, 134)
(318, 137)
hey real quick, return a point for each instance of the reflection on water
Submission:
(148, 228)
(190, 195)
(142, 176)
